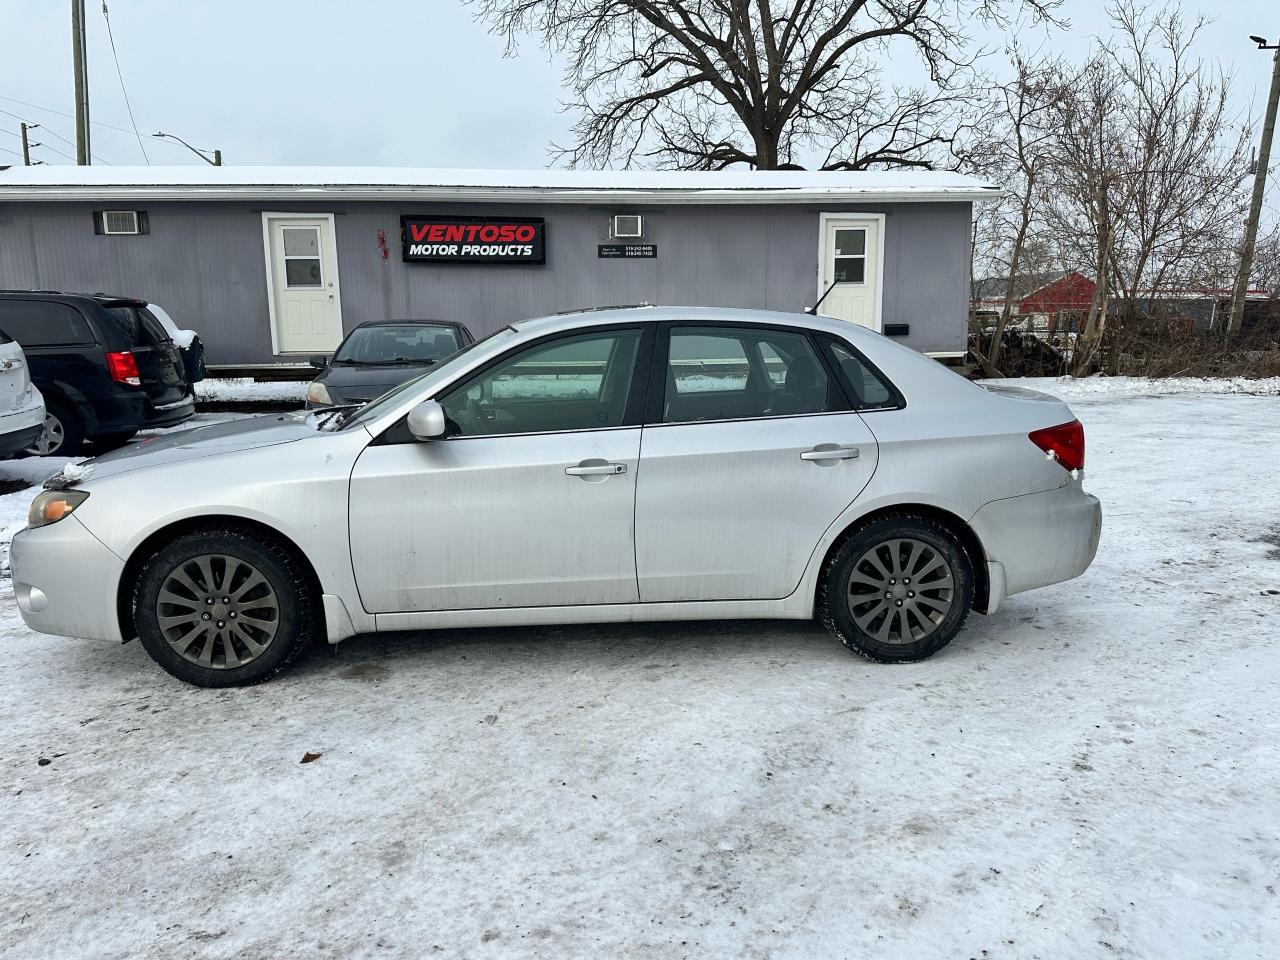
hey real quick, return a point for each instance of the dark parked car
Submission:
(382, 354)
(188, 343)
(105, 365)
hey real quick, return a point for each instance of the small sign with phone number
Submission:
(611, 251)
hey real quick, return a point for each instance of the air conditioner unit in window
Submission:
(628, 225)
(120, 221)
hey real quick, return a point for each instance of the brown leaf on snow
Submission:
(308, 757)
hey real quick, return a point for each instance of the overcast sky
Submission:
(396, 82)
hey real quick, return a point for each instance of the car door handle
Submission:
(830, 452)
(596, 468)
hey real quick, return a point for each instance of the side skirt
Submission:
(786, 609)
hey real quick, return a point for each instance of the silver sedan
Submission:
(603, 466)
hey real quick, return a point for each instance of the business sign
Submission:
(643, 251)
(473, 239)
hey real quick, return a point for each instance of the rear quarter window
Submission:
(866, 386)
(152, 328)
(126, 320)
(42, 323)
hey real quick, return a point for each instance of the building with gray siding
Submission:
(271, 264)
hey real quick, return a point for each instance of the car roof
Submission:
(105, 299)
(401, 321)
(653, 313)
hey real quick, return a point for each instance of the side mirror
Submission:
(426, 420)
(319, 361)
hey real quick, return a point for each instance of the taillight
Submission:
(1064, 443)
(124, 368)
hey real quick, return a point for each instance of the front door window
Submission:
(572, 383)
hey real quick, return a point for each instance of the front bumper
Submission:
(66, 580)
(1040, 538)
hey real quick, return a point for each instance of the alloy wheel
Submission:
(51, 439)
(217, 611)
(901, 590)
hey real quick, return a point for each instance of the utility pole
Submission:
(26, 145)
(80, 59)
(1259, 186)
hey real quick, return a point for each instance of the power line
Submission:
(120, 73)
(44, 145)
(70, 116)
(50, 130)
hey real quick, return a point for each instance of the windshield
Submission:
(397, 343)
(379, 405)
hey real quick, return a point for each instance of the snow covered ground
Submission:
(1091, 772)
(244, 389)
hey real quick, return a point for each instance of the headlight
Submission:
(52, 505)
(318, 393)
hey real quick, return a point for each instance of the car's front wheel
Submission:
(224, 607)
(898, 589)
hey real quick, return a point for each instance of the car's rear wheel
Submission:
(898, 589)
(62, 435)
(224, 607)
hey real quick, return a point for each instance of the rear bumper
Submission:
(65, 581)
(169, 414)
(1040, 538)
(20, 429)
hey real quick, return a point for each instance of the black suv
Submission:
(105, 365)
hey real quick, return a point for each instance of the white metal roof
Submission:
(544, 186)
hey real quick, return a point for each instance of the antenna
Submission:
(814, 309)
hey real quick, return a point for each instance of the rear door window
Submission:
(743, 373)
(42, 323)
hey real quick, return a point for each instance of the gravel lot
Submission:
(1092, 772)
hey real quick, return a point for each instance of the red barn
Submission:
(1060, 298)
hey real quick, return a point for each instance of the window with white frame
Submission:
(120, 223)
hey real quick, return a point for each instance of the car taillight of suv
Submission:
(123, 368)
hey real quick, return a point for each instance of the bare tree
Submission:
(1085, 196)
(1148, 165)
(1266, 272)
(1016, 151)
(1181, 161)
(707, 84)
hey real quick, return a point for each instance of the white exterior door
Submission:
(851, 257)
(302, 280)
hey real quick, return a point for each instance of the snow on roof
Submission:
(548, 186)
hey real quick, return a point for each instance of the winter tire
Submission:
(224, 607)
(898, 589)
